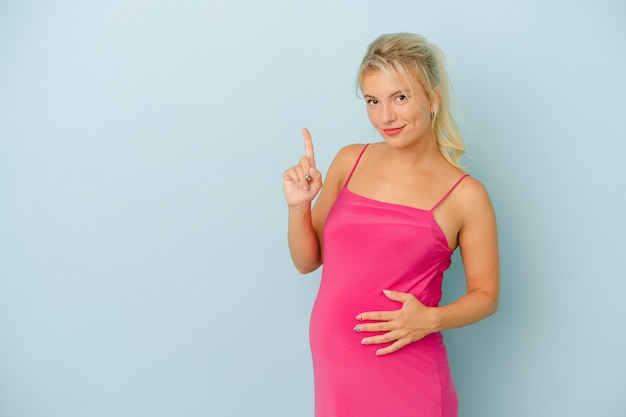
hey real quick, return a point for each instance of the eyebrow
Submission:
(390, 95)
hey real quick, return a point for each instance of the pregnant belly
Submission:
(334, 317)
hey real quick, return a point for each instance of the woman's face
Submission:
(401, 119)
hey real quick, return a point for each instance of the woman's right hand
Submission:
(302, 182)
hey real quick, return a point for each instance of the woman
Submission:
(385, 224)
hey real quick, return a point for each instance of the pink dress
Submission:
(370, 246)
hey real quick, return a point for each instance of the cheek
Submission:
(414, 114)
(422, 109)
(372, 114)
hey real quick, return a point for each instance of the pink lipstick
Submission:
(393, 131)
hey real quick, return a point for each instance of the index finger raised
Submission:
(308, 145)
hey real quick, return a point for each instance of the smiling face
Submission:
(401, 113)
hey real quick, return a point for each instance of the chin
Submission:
(396, 141)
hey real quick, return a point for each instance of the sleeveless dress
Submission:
(370, 246)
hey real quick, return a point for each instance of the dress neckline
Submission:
(386, 202)
(442, 235)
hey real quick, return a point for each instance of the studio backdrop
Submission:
(144, 269)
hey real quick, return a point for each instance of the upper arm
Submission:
(478, 241)
(335, 179)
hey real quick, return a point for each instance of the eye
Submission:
(372, 102)
(401, 98)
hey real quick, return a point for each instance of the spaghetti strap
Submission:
(449, 191)
(355, 164)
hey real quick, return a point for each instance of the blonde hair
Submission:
(410, 57)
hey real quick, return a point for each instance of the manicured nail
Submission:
(386, 292)
(357, 329)
(364, 341)
(359, 317)
(378, 353)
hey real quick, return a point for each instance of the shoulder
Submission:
(472, 188)
(336, 177)
(349, 153)
(344, 161)
(473, 197)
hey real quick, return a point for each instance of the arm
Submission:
(305, 225)
(479, 251)
(301, 183)
(478, 244)
(304, 243)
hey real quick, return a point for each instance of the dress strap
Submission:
(449, 191)
(355, 164)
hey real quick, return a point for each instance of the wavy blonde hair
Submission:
(408, 56)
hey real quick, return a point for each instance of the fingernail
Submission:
(378, 353)
(357, 329)
(364, 341)
(359, 317)
(386, 292)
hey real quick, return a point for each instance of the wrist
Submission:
(435, 319)
(299, 208)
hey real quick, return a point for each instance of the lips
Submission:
(393, 131)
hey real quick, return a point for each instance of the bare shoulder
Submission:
(472, 189)
(338, 174)
(335, 178)
(349, 153)
(473, 197)
(343, 162)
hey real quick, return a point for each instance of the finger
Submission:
(305, 164)
(401, 297)
(291, 179)
(291, 174)
(383, 326)
(315, 178)
(303, 172)
(308, 145)
(377, 340)
(378, 315)
(394, 347)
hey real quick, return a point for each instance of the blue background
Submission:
(144, 269)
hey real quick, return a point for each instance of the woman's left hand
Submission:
(409, 324)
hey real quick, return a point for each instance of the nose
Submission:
(387, 113)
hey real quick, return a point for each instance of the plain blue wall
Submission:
(144, 269)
